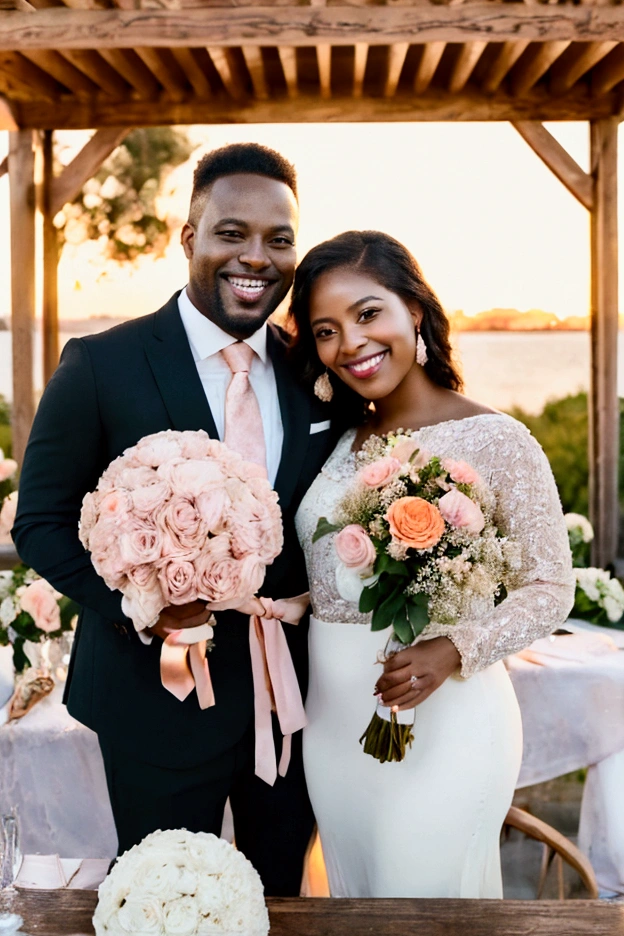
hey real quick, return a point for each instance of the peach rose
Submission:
(404, 450)
(380, 472)
(177, 581)
(355, 548)
(219, 581)
(461, 512)
(39, 600)
(415, 522)
(116, 505)
(460, 471)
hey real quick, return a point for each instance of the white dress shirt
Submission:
(207, 340)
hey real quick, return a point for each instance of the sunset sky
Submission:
(489, 224)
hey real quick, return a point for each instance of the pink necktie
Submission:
(243, 421)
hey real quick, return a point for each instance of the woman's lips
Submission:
(248, 288)
(366, 367)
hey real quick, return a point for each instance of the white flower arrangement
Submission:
(598, 596)
(182, 883)
(579, 528)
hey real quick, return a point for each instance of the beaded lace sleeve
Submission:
(541, 594)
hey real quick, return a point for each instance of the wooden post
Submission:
(50, 265)
(22, 145)
(603, 401)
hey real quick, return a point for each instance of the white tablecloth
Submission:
(573, 714)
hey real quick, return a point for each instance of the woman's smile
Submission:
(366, 367)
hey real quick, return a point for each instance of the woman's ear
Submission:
(416, 312)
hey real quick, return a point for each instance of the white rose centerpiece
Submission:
(182, 883)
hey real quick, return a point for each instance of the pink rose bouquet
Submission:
(180, 517)
(417, 533)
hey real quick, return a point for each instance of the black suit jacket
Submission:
(108, 391)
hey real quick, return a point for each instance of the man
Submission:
(168, 763)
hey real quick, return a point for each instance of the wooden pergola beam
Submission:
(344, 24)
(507, 56)
(558, 160)
(7, 118)
(396, 59)
(359, 68)
(4, 166)
(22, 145)
(604, 409)
(433, 104)
(465, 64)
(429, 61)
(67, 185)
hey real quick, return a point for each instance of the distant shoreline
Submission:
(87, 326)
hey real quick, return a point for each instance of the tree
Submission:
(118, 206)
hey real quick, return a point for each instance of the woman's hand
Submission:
(430, 662)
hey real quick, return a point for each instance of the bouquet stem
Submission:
(387, 738)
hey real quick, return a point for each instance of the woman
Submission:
(369, 330)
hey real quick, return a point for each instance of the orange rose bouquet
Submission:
(416, 543)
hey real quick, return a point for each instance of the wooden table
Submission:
(69, 912)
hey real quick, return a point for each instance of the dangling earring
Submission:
(421, 350)
(323, 388)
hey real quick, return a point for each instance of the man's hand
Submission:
(179, 617)
(430, 661)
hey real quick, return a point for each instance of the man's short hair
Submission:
(235, 158)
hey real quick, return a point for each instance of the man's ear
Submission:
(187, 238)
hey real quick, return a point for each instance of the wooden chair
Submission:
(557, 849)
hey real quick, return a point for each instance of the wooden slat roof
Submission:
(94, 63)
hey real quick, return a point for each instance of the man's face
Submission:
(241, 251)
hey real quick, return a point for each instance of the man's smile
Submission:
(248, 288)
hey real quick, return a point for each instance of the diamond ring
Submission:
(413, 681)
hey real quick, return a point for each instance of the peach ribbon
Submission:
(184, 667)
(276, 687)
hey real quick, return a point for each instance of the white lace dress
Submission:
(429, 826)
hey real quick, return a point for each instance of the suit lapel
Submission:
(170, 358)
(295, 410)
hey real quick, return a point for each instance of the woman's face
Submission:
(364, 333)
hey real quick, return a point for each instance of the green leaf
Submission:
(418, 614)
(20, 660)
(369, 597)
(69, 610)
(385, 563)
(384, 614)
(402, 626)
(323, 527)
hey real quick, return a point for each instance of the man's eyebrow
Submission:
(235, 221)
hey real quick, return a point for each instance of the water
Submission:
(501, 369)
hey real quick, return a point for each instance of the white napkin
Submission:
(49, 872)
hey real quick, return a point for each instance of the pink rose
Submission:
(191, 478)
(140, 544)
(143, 576)
(7, 513)
(198, 444)
(8, 467)
(177, 581)
(218, 573)
(149, 500)
(40, 600)
(213, 506)
(156, 449)
(461, 512)
(142, 603)
(461, 472)
(355, 548)
(182, 522)
(116, 505)
(380, 472)
(252, 572)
